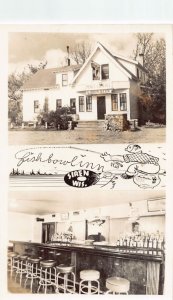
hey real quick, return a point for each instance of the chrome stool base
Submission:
(21, 267)
(47, 271)
(63, 273)
(12, 262)
(88, 278)
(32, 271)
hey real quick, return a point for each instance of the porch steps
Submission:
(90, 125)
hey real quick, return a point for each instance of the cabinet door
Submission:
(136, 272)
(133, 270)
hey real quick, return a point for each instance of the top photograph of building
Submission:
(85, 91)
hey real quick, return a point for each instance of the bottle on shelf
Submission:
(142, 242)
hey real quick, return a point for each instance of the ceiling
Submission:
(47, 202)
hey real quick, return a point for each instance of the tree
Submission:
(143, 46)
(33, 69)
(15, 83)
(81, 52)
(153, 98)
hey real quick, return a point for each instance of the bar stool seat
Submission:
(63, 273)
(87, 277)
(117, 285)
(35, 260)
(64, 269)
(49, 263)
(47, 272)
(12, 254)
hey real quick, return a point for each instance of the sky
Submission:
(33, 47)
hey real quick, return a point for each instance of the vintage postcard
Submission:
(87, 163)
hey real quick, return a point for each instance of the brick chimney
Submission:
(140, 58)
(68, 59)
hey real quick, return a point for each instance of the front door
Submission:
(73, 105)
(101, 108)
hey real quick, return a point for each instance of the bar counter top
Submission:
(149, 254)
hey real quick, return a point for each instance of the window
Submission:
(99, 72)
(58, 104)
(64, 79)
(123, 101)
(81, 104)
(46, 105)
(36, 106)
(143, 78)
(88, 103)
(95, 70)
(105, 71)
(114, 98)
(139, 74)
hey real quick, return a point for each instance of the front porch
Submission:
(94, 106)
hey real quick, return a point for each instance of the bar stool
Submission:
(89, 276)
(47, 268)
(32, 270)
(63, 273)
(117, 285)
(21, 267)
(12, 263)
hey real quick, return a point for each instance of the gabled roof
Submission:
(68, 68)
(46, 78)
(120, 57)
(114, 59)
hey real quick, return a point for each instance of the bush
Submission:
(59, 118)
(62, 122)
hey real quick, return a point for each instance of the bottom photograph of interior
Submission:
(95, 242)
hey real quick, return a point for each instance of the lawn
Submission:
(144, 135)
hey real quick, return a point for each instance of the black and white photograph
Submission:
(94, 242)
(87, 87)
(87, 160)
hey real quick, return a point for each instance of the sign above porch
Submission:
(100, 92)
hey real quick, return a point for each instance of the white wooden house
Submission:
(105, 84)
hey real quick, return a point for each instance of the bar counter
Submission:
(144, 268)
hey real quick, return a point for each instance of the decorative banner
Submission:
(92, 166)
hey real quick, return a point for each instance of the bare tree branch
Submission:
(154, 57)
(81, 52)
